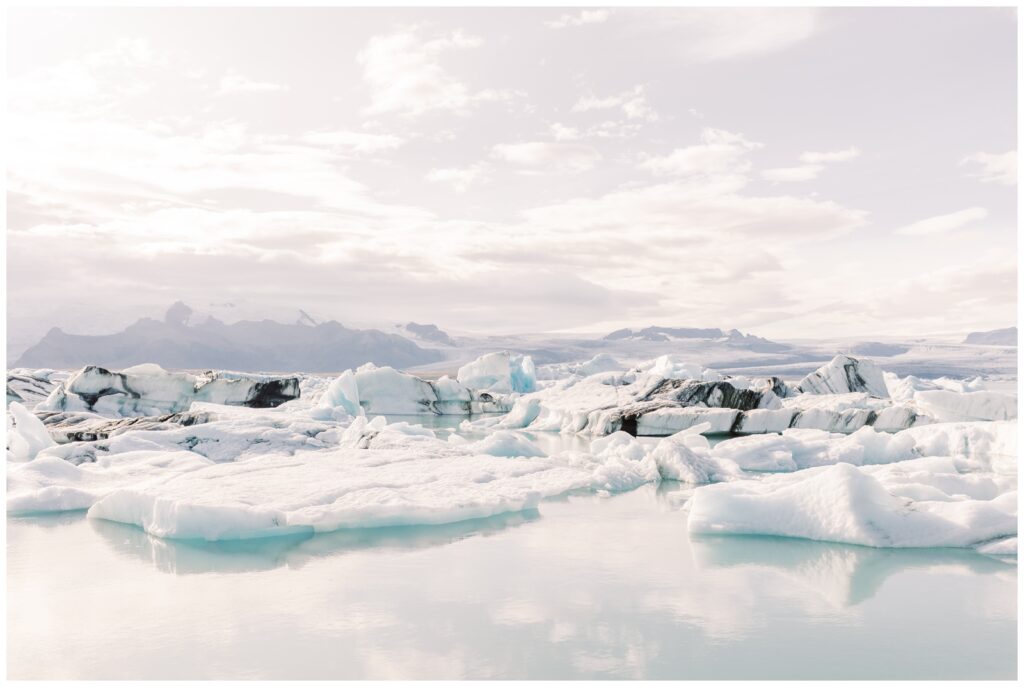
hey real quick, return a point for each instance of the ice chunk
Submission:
(343, 488)
(954, 406)
(500, 372)
(26, 434)
(385, 390)
(1000, 547)
(678, 458)
(844, 374)
(343, 393)
(49, 483)
(149, 390)
(843, 503)
(505, 443)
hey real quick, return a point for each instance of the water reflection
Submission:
(842, 574)
(185, 557)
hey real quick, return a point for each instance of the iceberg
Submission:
(26, 434)
(952, 406)
(843, 375)
(384, 390)
(847, 504)
(29, 387)
(501, 372)
(151, 390)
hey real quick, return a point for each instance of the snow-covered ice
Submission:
(848, 454)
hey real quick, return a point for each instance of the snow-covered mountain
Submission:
(180, 341)
(994, 337)
(732, 337)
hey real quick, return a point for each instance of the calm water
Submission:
(584, 587)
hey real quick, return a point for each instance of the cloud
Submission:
(801, 173)
(354, 141)
(707, 35)
(814, 165)
(459, 178)
(632, 102)
(720, 152)
(831, 156)
(233, 82)
(943, 224)
(994, 168)
(579, 19)
(550, 155)
(405, 76)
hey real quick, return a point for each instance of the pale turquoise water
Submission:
(584, 587)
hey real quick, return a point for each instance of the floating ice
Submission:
(953, 406)
(847, 504)
(26, 434)
(506, 443)
(384, 390)
(150, 390)
(844, 374)
(501, 372)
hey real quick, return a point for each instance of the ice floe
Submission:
(500, 372)
(847, 504)
(384, 390)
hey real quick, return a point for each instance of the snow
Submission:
(500, 372)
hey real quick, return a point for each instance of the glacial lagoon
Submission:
(586, 586)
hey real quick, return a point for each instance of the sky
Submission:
(794, 173)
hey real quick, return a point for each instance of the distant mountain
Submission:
(877, 348)
(428, 332)
(246, 346)
(995, 337)
(733, 337)
(665, 334)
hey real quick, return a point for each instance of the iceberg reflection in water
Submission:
(586, 587)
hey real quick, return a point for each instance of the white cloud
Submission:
(995, 168)
(814, 165)
(831, 156)
(549, 155)
(354, 141)
(459, 178)
(632, 102)
(801, 173)
(705, 34)
(720, 152)
(943, 224)
(405, 75)
(562, 132)
(579, 19)
(233, 82)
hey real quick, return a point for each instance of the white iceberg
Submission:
(26, 434)
(844, 374)
(847, 504)
(151, 390)
(385, 390)
(502, 372)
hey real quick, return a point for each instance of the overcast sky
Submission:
(794, 173)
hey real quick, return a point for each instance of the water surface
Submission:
(584, 587)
